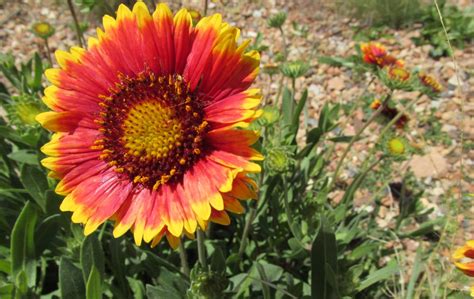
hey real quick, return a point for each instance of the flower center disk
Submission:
(152, 129)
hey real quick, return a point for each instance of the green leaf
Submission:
(21, 283)
(159, 292)
(414, 274)
(299, 109)
(94, 285)
(287, 106)
(23, 244)
(71, 283)
(10, 134)
(263, 276)
(92, 255)
(218, 260)
(38, 72)
(379, 275)
(6, 291)
(46, 232)
(324, 258)
(24, 156)
(34, 181)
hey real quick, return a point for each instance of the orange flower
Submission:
(147, 123)
(430, 82)
(376, 54)
(375, 104)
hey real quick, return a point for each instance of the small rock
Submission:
(336, 83)
(430, 165)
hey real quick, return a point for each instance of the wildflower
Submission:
(375, 104)
(277, 20)
(398, 73)
(43, 30)
(149, 124)
(430, 84)
(396, 146)
(390, 113)
(396, 77)
(463, 259)
(376, 54)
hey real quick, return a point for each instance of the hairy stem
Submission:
(184, 259)
(201, 249)
(48, 50)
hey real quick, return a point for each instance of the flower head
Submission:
(43, 29)
(396, 146)
(376, 54)
(148, 124)
(461, 255)
(390, 113)
(430, 84)
(463, 259)
(398, 73)
(375, 104)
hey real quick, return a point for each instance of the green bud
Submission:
(23, 111)
(207, 284)
(277, 20)
(294, 69)
(270, 115)
(43, 29)
(278, 160)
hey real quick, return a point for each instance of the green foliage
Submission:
(393, 13)
(302, 242)
(459, 25)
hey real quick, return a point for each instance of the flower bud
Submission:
(277, 20)
(294, 69)
(43, 29)
(278, 160)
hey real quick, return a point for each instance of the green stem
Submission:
(285, 46)
(205, 7)
(289, 214)
(48, 49)
(248, 224)
(387, 127)
(80, 38)
(183, 257)
(355, 138)
(201, 249)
